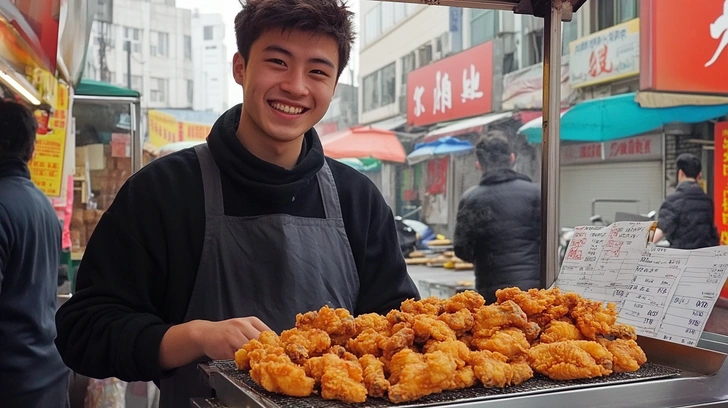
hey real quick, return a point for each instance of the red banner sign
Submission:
(456, 87)
(720, 180)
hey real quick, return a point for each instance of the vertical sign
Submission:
(720, 186)
(46, 168)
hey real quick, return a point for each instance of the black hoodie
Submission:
(140, 265)
(498, 229)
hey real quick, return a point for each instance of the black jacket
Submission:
(30, 245)
(139, 268)
(498, 229)
(686, 218)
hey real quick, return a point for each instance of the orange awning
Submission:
(362, 142)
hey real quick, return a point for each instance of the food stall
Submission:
(675, 375)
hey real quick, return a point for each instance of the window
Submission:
(134, 37)
(188, 47)
(190, 91)
(373, 27)
(209, 33)
(159, 44)
(158, 90)
(424, 55)
(387, 16)
(400, 11)
(136, 83)
(570, 32)
(380, 88)
(483, 26)
(384, 17)
(533, 48)
(408, 64)
(612, 12)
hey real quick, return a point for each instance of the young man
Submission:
(32, 373)
(686, 216)
(205, 248)
(498, 223)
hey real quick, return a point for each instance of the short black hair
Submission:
(494, 152)
(17, 131)
(327, 17)
(689, 164)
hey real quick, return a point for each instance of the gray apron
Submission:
(269, 266)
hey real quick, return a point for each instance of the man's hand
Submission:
(658, 236)
(187, 342)
(220, 340)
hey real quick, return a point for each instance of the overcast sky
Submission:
(228, 9)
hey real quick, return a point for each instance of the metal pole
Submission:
(550, 161)
(137, 138)
(128, 64)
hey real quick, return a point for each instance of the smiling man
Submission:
(205, 248)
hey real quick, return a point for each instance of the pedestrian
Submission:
(32, 373)
(205, 248)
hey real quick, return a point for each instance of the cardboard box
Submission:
(96, 156)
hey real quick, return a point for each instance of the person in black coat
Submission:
(32, 373)
(498, 223)
(686, 216)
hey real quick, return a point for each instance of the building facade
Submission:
(211, 62)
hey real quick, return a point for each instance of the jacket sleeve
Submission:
(384, 281)
(5, 243)
(466, 234)
(667, 218)
(111, 326)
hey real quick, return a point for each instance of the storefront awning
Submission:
(440, 147)
(620, 116)
(362, 165)
(390, 123)
(89, 87)
(364, 142)
(464, 126)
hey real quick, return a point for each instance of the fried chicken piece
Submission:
(623, 331)
(339, 379)
(272, 369)
(464, 375)
(418, 375)
(571, 360)
(426, 327)
(270, 338)
(521, 372)
(532, 330)
(492, 369)
(510, 342)
(490, 319)
(302, 344)
(374, 379)
(399, 341)
(460, 321)
(366, 343)
(466, 339)
(628, 356)
(592, 318)
(373, 321)
(468, 299)
(338, 323)
(432, 306)
(540, 305)
(396, 317)
(242, 356)
(560, 330)
(343, 354)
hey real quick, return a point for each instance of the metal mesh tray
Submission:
(537, 384)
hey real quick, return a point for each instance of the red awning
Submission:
(363, 142)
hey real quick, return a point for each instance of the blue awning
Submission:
(620, 116)
(440, 147)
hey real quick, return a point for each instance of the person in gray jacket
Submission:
(32, 373)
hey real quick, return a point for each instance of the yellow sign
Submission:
(46, 168)
(165, 129)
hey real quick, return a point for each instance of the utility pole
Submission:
(127, 46)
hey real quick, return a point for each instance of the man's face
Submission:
(288, 81)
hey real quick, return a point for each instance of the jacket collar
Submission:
(13, 167)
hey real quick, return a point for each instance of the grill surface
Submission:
(535, 385)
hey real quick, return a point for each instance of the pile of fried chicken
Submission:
(433, 345)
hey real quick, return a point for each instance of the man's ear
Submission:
(239, 68)
(513, 159)
(478, 166)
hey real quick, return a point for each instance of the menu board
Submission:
(663, 292)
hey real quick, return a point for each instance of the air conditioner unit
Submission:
(446, 44)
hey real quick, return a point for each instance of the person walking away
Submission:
(32, 373)
(498, 222)
(685, 218)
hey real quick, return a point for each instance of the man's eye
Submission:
(319, 72)
(277, 61)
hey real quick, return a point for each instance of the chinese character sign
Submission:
(720, 183)
(456, 87)
(46, 168)
(163, 128)
(606, 55)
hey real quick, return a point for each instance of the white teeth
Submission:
(287, 109)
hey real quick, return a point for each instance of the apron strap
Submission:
(211, 184)
(329, 194)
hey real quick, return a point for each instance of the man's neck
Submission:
(262, 146)
(689, 179)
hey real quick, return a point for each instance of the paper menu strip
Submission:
(673, 292)
(600, 261)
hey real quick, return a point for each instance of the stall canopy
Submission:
(362, 165)
(364, 142)
(440, 147)
(464, 126)
(89, 87)
(620, 116)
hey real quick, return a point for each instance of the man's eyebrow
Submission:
(281, 50)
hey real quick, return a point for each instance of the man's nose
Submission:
(295, 83)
